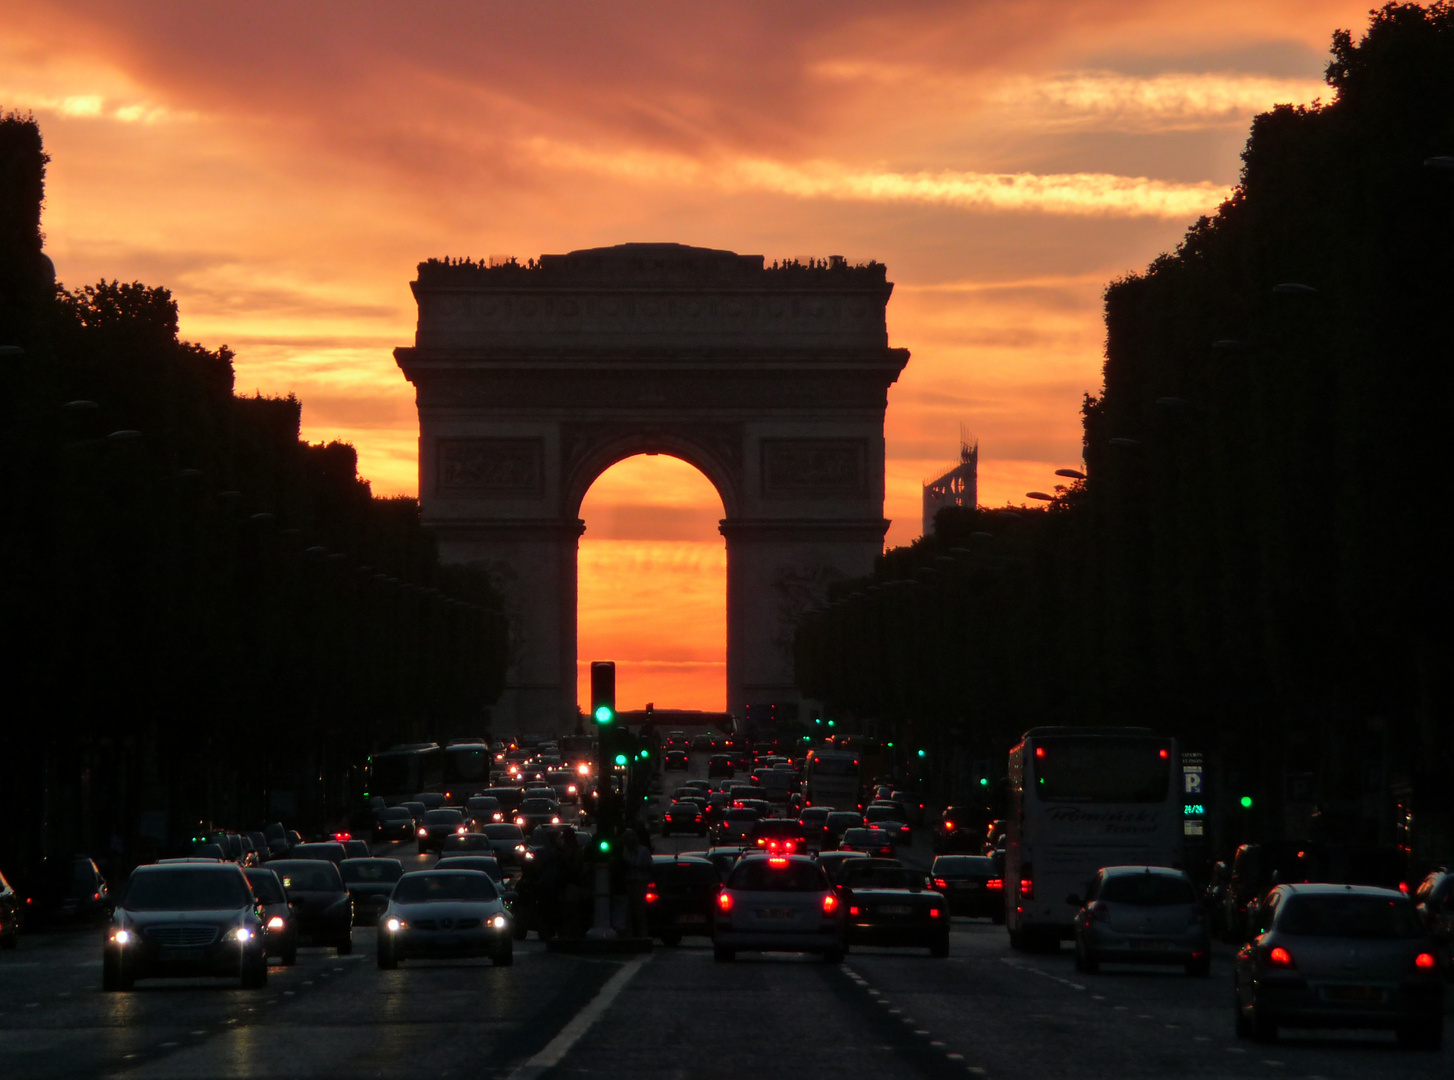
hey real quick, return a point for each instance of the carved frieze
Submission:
(814, 468)
(499, 468)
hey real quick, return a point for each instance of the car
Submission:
(721, 765)
(369, 882)
(683, 817)
(321, 903)
(437, 824)
(536, 811)
(326, 850)
(393, 825)
(445, 913)
(483, 810)
(1434, 901)
(70, 889)
(432, 800)
(837, 823)
(814, 820)
(913, 805)
(566, 784)
(469, 843)
(11, 907)
(779, 836)
(507, 842)
(356, 849)
(697, 788)
(676, 759)
(781, 903)
(974, 885)
(879, 816)
(890, 904)
(508, 797)
(681, 897)
(724, 859)
(277, 839)
(1255, 868)
(869, 841)
(959, 829)
(280, 928)
(704, 741)
(1344, 956)
(735, 827)
(486, 864)
(185, 920)
(1141, 915)
(834, 863)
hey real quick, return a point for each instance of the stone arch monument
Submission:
(531, 380)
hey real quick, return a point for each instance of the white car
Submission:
(780, 903)
(452, 913)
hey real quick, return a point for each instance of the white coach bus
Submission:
(1081, 799)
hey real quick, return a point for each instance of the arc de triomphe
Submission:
(532, 380)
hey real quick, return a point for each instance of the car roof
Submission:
(371, 858)
(206, 866)
(1327, 889)
(690, 860)
(1162, 871)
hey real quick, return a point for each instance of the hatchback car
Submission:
(320, 901)
(185, 920)
(1141, 915)
(720, 765)
(735, 826)
(681, 897)
(445, 913)
(1345, 956)
(778, 903)
(869, 842)
(684, 817)
(675, 759)
(779, 836)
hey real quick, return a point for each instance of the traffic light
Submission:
(603, 691)
(984, 781)
(1246, 801)
(604, 847)
(621, 760)
(922, 753)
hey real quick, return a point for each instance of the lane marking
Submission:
(581, 1023)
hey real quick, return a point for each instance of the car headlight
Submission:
(555, 821)
(277, 923)
(242, 934)
(393, 925)
(122, 937)
(423, 832)
(499, 922)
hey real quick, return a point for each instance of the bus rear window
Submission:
(1100, 770)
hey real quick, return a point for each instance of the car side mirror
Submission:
(1073, 899)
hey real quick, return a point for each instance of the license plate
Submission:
(775, 913)
(1355, 993)
(181, 956)
(1151, 945)
(691, 918)
(966, 886)
(896, 909)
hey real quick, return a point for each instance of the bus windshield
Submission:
(1098, 769)
(471, 762)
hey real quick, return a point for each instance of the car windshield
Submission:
(882, 877)
(483, 803)
(186, 890)
(865, 836)
(843, 820)
(1348, 915)
(357, 871)
(443, 887)
(741, 815)
(310, 876)
(538, 806)
(395, 813)
(777, 827)
(266, 886)
(1146, 890)
(485, 866)
(504, 832)
(772, 875)
(443, 817)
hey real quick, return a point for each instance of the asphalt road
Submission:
(984, 1011)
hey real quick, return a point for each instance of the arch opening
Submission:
(652, 584)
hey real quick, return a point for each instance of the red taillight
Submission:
(853, 910)
(995, 884)
(652, 896)
(1027, 888)
(1039, 751)
(933, 913)
(940, 883)
(830, 903)
(949, 826)
(1165, 754)
(1403, 887)
(724, 901)
(342, 836)
(1425, 961)
(777, 860)
(1279, 957)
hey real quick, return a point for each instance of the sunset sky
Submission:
(283, 167)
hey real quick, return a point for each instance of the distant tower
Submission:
(958, 485)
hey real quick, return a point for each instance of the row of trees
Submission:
(204, 618)
(1256, 559)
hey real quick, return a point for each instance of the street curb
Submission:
(598, 946)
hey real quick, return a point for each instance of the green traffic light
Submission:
(984, 781)
(817, 719)
(604, 715)
(605, 847)
(620, 759)
(1246, 802)
(921, 753)
(832, 722)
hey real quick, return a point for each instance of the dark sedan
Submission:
(680, 897)
(973, 884)
(869, 842)
(320, 901)
(779, 836)
(329, 850)
(280, 928)
(369, 882)
(535, 812)
(436, 825)
(684, 817)
(889, 904)
(394, 825)
(454, 913)
(185, 920)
